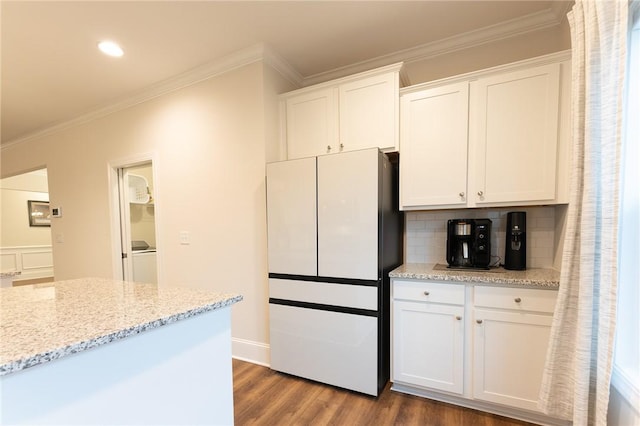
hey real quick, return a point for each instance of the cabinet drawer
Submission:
(426, 291)
(521, 299)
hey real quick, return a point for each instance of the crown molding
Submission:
(220, 66)
(511, 28)
(561, 8)
(277, 62)
(551, 58)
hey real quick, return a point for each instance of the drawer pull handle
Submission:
(479, 321)
(517, 300)
(426, 293)
(458, 317)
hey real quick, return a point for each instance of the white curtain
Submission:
(577, 374)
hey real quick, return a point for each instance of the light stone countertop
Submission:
(43, 322)
(9, 274)
(534, 278)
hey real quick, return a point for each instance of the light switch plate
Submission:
(56, 212)
(185, 237)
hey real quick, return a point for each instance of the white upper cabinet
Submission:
(498, 137)
(352, 113)
(434, 146)
(312, 123)
(514, 135)
(369, 113)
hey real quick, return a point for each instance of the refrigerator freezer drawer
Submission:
(330, 347)
(345, 295)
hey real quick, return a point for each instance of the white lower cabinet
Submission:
(509, 352)
(510, 337)
(478, 346)
(430, 346)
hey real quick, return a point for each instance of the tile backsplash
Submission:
(426, 234)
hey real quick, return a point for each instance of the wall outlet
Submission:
(56, 212)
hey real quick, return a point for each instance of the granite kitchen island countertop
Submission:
(534, 277)
(43, 322)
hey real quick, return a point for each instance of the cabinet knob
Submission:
(479, 321)
(480, 193)
(458, 317)
(328, 148)
(341, 147)
(517, 300)
(461, 194)
(426, 293)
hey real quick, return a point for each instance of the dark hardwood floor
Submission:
(265, 397)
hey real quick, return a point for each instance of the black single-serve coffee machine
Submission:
(515, 251)
(469, 243)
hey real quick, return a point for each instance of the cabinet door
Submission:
(514, 135)
(369, 113)
(291, 217)
(428, 345)
(348, 215)
(312, 123)
(509, 354)
(433, 169)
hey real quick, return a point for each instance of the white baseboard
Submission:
(250, 351)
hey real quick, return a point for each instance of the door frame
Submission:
(114, 210)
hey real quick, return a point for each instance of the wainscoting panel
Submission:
(31, 261)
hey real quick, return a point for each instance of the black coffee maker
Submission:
(515, 256)
(469, 243)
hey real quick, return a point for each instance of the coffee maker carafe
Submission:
(515, 256)
(469, 243)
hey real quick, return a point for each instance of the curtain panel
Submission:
(577, 374)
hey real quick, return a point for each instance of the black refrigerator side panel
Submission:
(390, 222)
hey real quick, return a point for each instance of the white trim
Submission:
(511, 28)
(250, 351)
(20, 259)
(220, 66)
(626, 387)
(278, 63)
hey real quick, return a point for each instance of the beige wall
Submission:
(208, 146)
(501, 52)
(14, 220)
(15, 191)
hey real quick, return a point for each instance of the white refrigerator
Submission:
(334, 233)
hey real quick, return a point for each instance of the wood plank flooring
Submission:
(265, 397)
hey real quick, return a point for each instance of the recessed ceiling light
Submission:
(110, 48)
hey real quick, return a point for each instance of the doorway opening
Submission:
(138, 223)
(26, 255)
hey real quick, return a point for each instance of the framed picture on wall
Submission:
(39, 214)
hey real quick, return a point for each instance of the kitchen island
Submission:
(98, 351)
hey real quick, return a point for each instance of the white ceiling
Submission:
(52, 71)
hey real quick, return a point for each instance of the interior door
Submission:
(348, 215)
(291, 217)
(137, 223)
